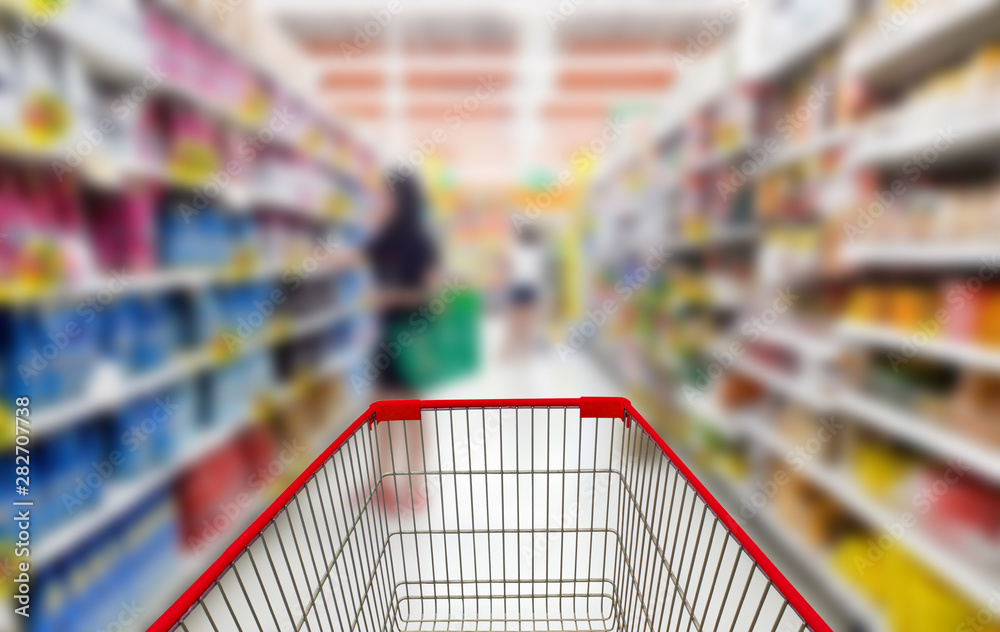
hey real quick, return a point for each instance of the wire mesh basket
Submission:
(499, 515)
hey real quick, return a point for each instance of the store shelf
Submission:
(718, 237)
(932, 437)
(707, 410)
(903, 144)
(797, 388)
(800, 150)
(809, 345)
(720, 158)
(921, 255)
(942, 50)
(159, 281)
(118, 498)
(813, 561)
(933, 34)
(61, 416)
(192, 565)
(55, 418)
(107, 47)
(960, 353)
(825, 22)
(856, 605)
(974, 582)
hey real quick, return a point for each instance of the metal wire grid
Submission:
(533, 520)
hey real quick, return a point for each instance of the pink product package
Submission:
(123, 226)
(963, 310)
(138, 209)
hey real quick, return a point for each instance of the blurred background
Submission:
(772, 224)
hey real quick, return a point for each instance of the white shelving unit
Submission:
(934, 438)
(938, 33)
(194, 564)
(120, 60)
(952, 351)
(102, 398)
(975, 582)
(921, 256)
(929, 35)
(799, 388)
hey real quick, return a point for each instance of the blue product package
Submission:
(206, 316)
(156, 544)
(134, 439)
(185, 419)
(167, 412)
(54, 606)
(216, 245)
(158, 333)
(30, 376)
(156, 426)
(177, 243)
(243, 235)
(8, 530)
(107, 577)
(76, 485)
(47, 480)
(120, 332)
(219, 404)
(73, 351)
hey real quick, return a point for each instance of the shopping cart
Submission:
(527, 515)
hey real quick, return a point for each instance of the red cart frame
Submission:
(339, 550)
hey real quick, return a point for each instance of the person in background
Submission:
(404, 260)
(527, 274)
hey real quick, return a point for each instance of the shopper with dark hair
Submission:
(404, 260)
